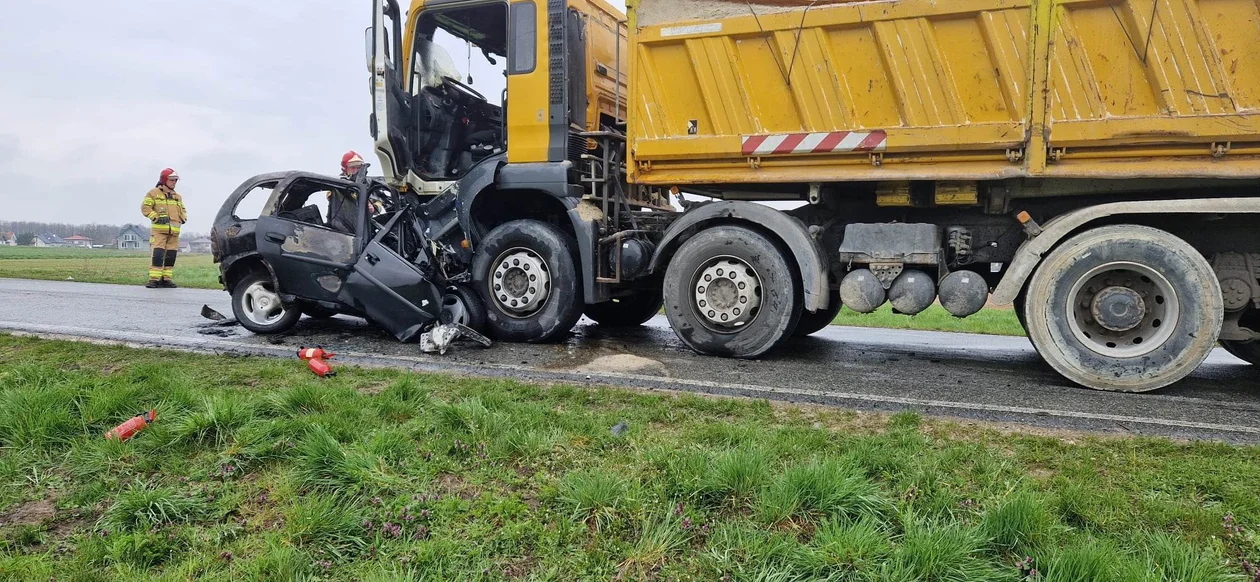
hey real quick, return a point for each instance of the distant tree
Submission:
(26, 239)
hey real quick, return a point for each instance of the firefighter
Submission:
(341, 205)
(165, 209)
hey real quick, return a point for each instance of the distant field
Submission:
(101, 266)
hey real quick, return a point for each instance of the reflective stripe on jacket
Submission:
(163, 201)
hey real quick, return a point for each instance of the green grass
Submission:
(990, 320)
(257, 470)
(102, 266)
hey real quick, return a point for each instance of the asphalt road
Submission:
(975, 377)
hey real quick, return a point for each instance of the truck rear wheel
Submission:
(628, 311)
(816, 321)
(730, 291)
(526, 275)
(1124, 308)
(1246, 351)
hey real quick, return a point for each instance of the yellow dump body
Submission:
(727, 92)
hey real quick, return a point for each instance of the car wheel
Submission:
(525, 272)
(463, 306)
(814, 322)
(629, 311)
(1124, 308)
(258, 307)
(729, 291)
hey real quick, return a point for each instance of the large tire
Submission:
(1020, 314)
(258, 308)
(816, 321)
(761, 300)
(629, 311)
(464, 306)
(527, 276)
(1246, 351)
(1124, 308)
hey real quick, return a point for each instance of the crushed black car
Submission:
(387, 263)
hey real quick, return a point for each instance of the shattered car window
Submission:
(252, 204)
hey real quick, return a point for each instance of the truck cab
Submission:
(546, 72)
(513, 112)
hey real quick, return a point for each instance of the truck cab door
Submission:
(391, 104)
(390, 290)
(308, 257)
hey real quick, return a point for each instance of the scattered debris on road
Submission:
(219, 324)
(209, 313)
(440, 338)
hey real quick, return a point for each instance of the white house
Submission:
(133, 237)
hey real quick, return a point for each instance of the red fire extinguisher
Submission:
(316, 352)
(129, 429)
(320, 367)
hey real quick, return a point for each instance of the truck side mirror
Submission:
(367, 42)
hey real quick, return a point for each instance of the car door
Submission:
(390, 290)
(310, 259)
(391, 104)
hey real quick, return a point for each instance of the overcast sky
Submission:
(97, 97)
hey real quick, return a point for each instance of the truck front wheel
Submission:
(730, 291)
(525, 272)
(1124, 308)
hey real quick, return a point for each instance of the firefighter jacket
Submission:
(160, 202)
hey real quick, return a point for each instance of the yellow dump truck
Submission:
(1096, 164)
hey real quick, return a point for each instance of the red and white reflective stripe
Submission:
(815, 143)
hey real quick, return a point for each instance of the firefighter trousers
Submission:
(165, 247)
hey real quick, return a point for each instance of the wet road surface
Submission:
(984, 378)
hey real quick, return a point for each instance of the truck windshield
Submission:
(433, 62)
(447, 51)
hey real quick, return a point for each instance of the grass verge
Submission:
(101, 266)
(257, 470)
(990, 320)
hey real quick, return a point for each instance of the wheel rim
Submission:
(726, 293)
(520, 283)
(261, 305)
(454, 310)
(1122, 310)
